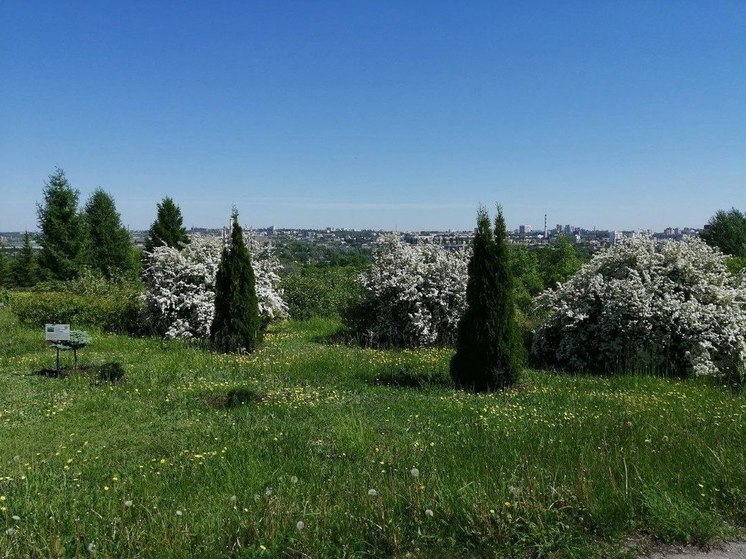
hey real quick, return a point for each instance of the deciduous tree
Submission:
(727, 231)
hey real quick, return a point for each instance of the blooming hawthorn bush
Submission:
(180, 294)
(413, 295)
(670, 307)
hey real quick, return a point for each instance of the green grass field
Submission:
(306, 449)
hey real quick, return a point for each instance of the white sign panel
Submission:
(57, 332)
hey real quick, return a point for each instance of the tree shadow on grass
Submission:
(64, 372)
(234, 398)
(405, 377)
(107, 373)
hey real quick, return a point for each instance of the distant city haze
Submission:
(378, 115)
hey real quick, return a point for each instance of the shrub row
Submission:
(321, 291)
(120, 314)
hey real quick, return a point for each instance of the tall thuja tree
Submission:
(25, 270)
(488, 351)
(168, 227)
(63, 235)
(237, 325)
(110, 250)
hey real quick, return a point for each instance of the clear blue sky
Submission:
(378, 113)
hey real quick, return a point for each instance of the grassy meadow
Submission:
(309, 449)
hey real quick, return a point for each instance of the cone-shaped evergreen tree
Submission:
(110, 250)
(167, 228)
(25, 270)
(488, 352)
(236, 325)
(4, 267)
(63, 236)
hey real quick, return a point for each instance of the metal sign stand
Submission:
(56, 333)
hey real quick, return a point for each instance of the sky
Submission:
(378, 114)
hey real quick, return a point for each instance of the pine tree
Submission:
(25, 270)
(110, 249)
(62, 237)
(236, 326)
(488, 351)
(168, 227)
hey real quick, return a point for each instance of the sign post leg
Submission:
(58, 360)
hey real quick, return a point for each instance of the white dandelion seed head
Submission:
(10, 531)
(415, 473)
(233, 499)
(16, 518)
(294, 479)
(372, 493)
(300, 525)
(91, 547)
(179, 513)
(128, 503)
(429, 513)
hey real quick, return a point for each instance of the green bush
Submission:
(321, 291)
(112, 313)
(111, 371)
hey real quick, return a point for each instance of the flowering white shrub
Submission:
(180, 294)
(670, 306)
(414, 295)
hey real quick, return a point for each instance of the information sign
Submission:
(57, 332)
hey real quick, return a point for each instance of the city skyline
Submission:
(378, 115)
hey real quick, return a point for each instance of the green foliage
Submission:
(25, 270)
(168, 227)
(110, 245)
(558, 262)
(727, 231)
(736, 264)
(5, 272)
(333, 253)
(527, 277)
(236, 326)
(63, 235)
(113, 312)
(489, 348)
(321, 291)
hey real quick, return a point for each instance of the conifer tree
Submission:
(168, 227)
(25, 270)
(237, 325)
(488, 351)
(4, 267)
(62, 236)
(110, 249)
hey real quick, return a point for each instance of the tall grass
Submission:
(333, 451)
